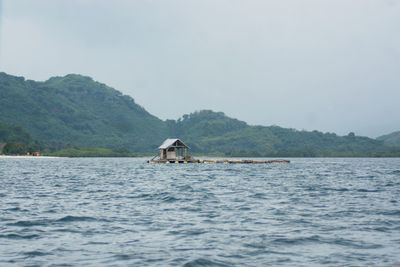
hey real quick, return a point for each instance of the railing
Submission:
(155, 157)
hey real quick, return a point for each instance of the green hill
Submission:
(392, 139)
(210, 132)
(14, 140)
(75, 111)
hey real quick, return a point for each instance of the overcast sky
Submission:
(328, 65)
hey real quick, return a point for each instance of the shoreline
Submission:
(204, 158)
(26, 157)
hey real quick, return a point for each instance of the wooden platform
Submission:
(223, 161)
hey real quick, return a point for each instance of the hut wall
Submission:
(163, 154)
(171, 154)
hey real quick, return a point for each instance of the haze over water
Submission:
(120, 212)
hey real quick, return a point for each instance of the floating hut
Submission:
(175, 151)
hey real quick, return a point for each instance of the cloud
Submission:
(312, 64)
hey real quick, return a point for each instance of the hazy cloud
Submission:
(310, 64)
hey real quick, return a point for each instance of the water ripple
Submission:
(124, 212)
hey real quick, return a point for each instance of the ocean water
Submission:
(124, 212)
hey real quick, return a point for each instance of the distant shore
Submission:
(202, 157)
(26, 157)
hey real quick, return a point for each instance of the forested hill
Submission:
(392, 139)
(76, 111)
(211, 133)
(14, 140)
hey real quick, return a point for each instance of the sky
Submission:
(325, 65)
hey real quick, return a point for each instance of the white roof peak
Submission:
(170, 142)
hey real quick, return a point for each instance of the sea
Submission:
(126, 212)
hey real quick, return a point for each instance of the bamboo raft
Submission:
(220, 161)
(173, 150)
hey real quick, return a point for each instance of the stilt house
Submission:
(173, 149)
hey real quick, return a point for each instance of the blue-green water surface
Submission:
(124, 212)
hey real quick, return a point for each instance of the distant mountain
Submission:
(210, 132)
(76, 111)
(392, 139)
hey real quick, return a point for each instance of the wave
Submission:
(35, 253)
(29, 223)
(357, 244)
(162, 196)
(46, 222)
(202, 262)
(19, 236)
(363, 190)
(70, 218)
